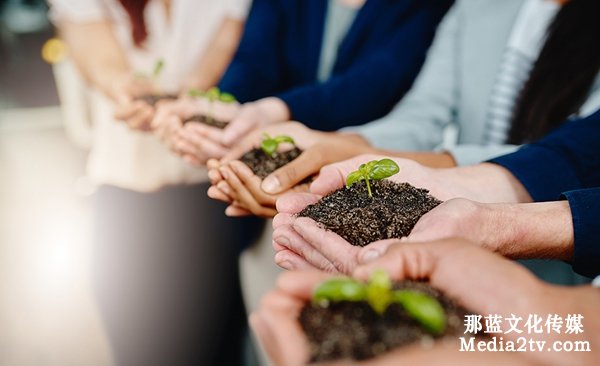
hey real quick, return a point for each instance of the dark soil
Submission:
(263, 164)
(207, 121)
(352, 330)
(392, 212)
(152, 99)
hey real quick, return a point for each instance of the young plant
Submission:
(373, 170)
(213, 95)
(379, 294)
(270, 144)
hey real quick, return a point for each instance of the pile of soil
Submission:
(199, 118)
(152, 99)
(263, 164)
(353, 330)
(392, 212)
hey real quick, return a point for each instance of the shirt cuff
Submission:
(544, 173)
(585, 207)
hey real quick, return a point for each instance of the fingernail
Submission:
(370, 255)
(271, 185)
(286, 265)
(283, 241)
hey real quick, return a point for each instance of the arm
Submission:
(519, 231)
(585, 208)
(254, 72)
(566, 159)
(370, 88)
(101, 62)
(418, 121)
(217, 55)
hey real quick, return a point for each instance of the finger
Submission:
(291, 261)
(192, 160)
(375, 250)
(237, 128)
(341, 254)
(141, 119)
(215, 176)
(128, 110)
(286, 177)
(295, 202)
(282, 219)
(206, 146)
(211, 133)
(213, 164)
(216, 194)
(301, 284)
(236, 211)
(287, 237)
(242, 194)
(330, 178)
(401, 260)
(252, 183)
(239, 149)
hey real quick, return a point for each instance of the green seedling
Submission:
(158, 68)
(373, 170)
(213, 95)
(379, 294)
(270, 144)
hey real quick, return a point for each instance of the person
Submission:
(498, 74)
(328, 64)
(481, 281)
(164, 261)
(565, 163)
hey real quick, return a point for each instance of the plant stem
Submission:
(368, 187)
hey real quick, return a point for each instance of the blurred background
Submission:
(47, 312)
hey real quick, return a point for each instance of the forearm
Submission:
(217, 56)
(532, 230)
(96, 53)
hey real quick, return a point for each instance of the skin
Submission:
(104, 65)
(486, 284)
(300, 243)
(258, 197)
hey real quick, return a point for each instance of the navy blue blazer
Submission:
(376, 63)
(566, 165)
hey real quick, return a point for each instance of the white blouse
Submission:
(138, 160)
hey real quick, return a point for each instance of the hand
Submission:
(485, 283)
(137, 114)
(241, 187)
(254, 115)
(300, 243)
(275, 323)
(195, 142)
(242, 182)
(518, 231)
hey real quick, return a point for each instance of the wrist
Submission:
(536, 230)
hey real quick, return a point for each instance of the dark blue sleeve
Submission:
(566, 159)
(255, 70)
(585, 210)
(371, 87)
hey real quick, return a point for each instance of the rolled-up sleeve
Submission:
(585, 211)
(567, 159)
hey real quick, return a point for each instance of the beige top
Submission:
(138, 160)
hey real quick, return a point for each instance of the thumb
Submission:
(375, 250)
(330, 178)
(288, 176)
(237, 128)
